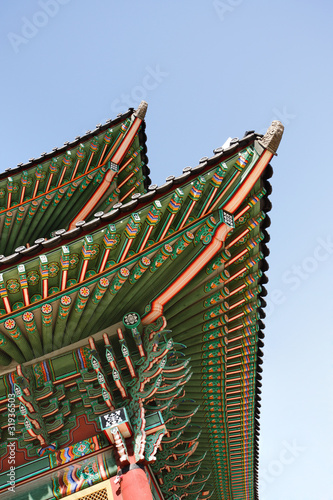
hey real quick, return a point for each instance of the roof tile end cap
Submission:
(272, 138)
(142, 110)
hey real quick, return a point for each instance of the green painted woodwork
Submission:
(123, 266)
(51, 190)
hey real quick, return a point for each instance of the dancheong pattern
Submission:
(139, 302)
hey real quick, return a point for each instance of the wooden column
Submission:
(134, 483)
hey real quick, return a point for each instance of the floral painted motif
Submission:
(83, 448)
(10, 324)
(53, 269)
(66, 300)
(73, 260)
(243, 240)
(35, 298)
(242, 219)
(14, 332)
(46, 314)
(71, 282)
(139, 269)
(104, 282)
(17, 305)
(13, 286)
(90, 273)
(119, 279)
(131, 181)
(33, 278)
(241, 259)
(46, 308)
(28, 316)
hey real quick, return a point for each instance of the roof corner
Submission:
(272, 138)
(142, 110)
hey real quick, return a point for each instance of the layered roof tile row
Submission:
(50, 192)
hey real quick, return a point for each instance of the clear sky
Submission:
(209, 69)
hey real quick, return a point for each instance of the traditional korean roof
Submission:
(87, 175)
(192, 251)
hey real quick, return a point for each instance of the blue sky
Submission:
(209, 69)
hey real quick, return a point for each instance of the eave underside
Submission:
(217, 315)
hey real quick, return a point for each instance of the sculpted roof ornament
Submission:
(142, 110)
(272, 138)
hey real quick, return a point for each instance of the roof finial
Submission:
(142, 110)
(272, 138)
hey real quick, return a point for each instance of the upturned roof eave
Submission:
(137, 203)
(67, 146)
